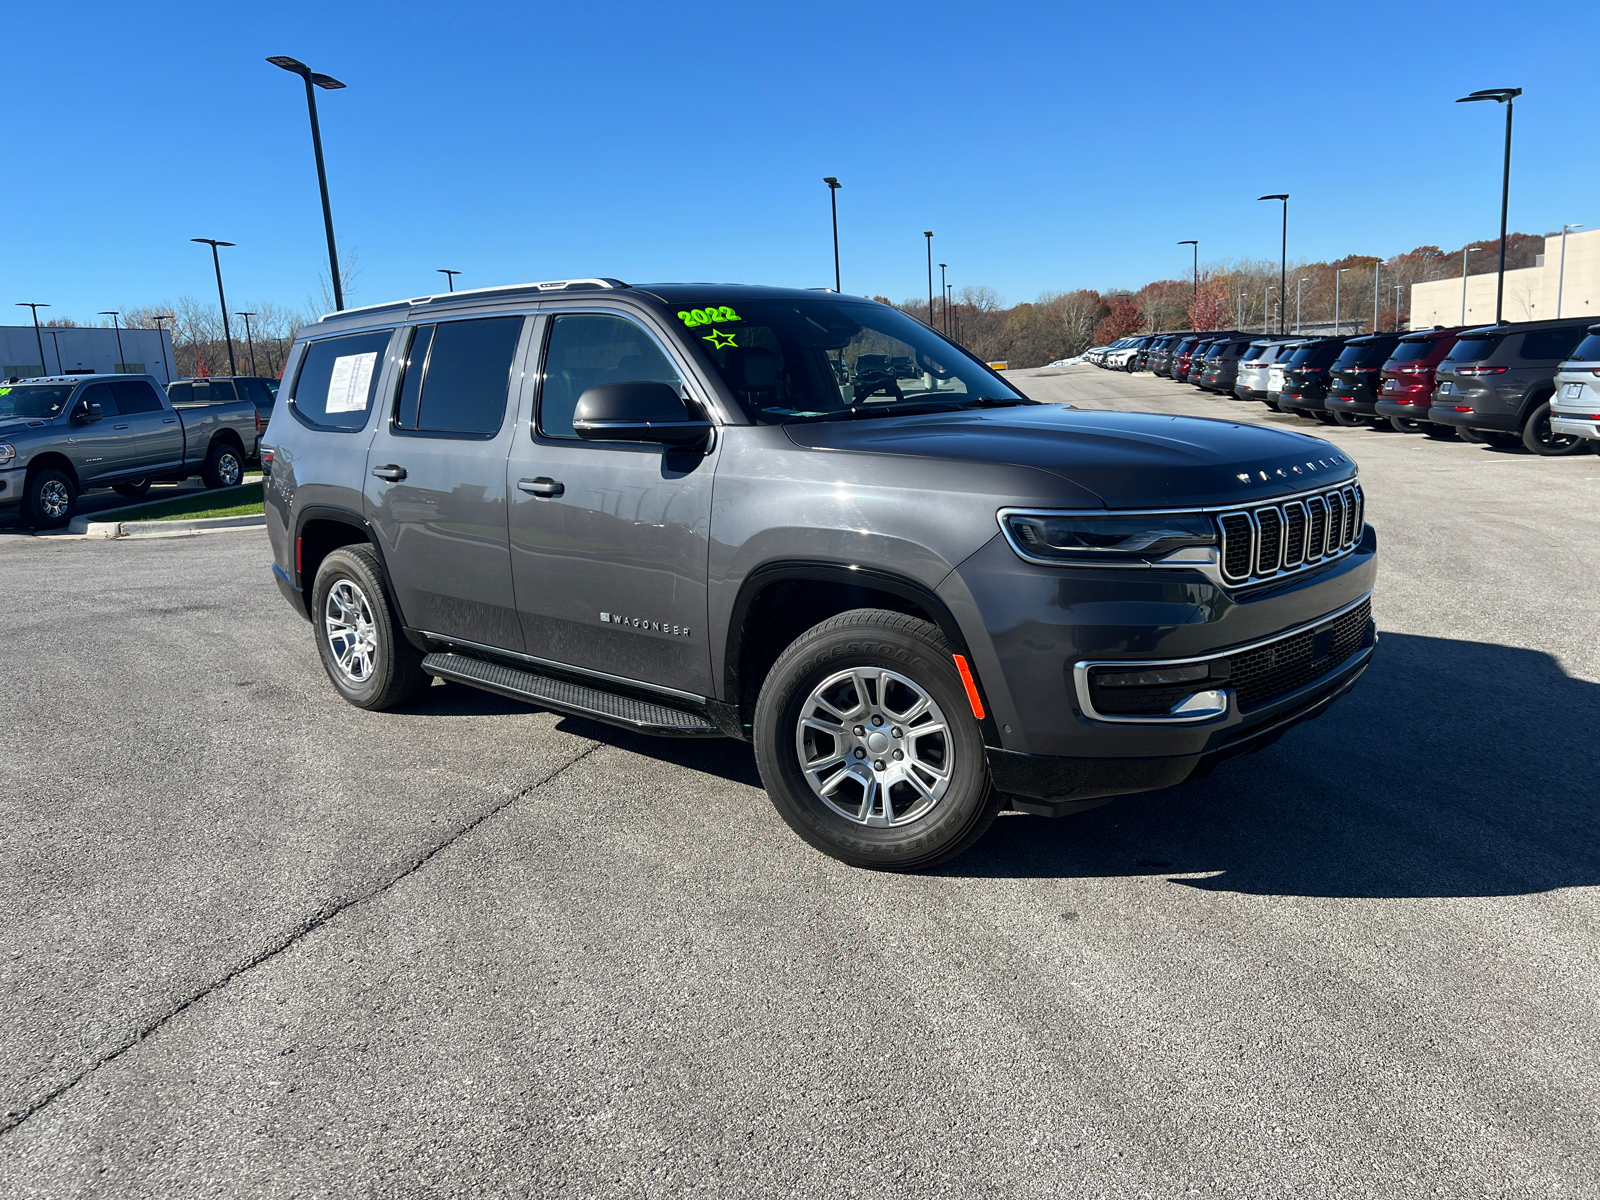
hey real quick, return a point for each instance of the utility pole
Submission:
(928, 233)
(122, 359)
(249, 341)
(833, 203)
(44, 367)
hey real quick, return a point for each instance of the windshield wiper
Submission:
(992, 402)
(860, 411)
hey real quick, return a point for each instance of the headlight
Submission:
(7, 453)
(1112, 539)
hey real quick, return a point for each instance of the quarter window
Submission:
(588, 350)
(337, 379)
(1542, 344)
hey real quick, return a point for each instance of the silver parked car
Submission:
(1575, 407)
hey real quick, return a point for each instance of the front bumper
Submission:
(11, 484)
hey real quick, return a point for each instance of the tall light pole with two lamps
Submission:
(314, 80)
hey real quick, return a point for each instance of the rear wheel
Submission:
(367, 657)
(1541, 439)
(866, 744)
(49, 498)
(1405, 425)
(224, 466)
(1499, 440)
(1325, 418)
(1350, 420)
(1469, 435)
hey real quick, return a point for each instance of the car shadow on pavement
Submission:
(1453, 769)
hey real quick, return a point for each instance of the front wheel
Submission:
(866, 743)
(49, 498)
(224, 466)
(1541, 439)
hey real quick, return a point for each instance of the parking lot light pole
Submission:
(1195, 243)
(158, 318)
(1465, 251)
(44, 367)
(1283, 259)
(833, 203)
(227, 332)
(1506, 96)
(449, 276)
(248, 339)
(1561, 276)
(1398, 288)
(1266, 309)
(1299, 295)
(1337, 280)
(1377, 292)
(1239, 320)
(928, 233)
(328, 82)
(122, 359)
(944, 301)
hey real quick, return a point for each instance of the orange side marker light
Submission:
(967, 682)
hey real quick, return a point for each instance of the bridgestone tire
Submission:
(132, 489)
(224, 466)
(918, 652)
(392, 673)
(49, 499)
(1538, 437)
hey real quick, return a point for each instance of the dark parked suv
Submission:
(1305, 377)
(1352, 395)
(1497, 382)
(688, 510)
(1221, 365)
(1407, 381)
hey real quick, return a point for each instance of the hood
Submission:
(1128, 459)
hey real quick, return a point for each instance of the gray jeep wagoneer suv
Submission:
(709, 510)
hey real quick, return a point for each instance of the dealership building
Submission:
(84, 350)
(1536, 293)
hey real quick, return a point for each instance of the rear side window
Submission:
(136, 396)
(1473, 349)
(180, 393)
(337, 379)
(1589, 349)
(457, 375)
(222, 392)
(588, 350)
(1543, 344)
(257, 392)
(1252, 354)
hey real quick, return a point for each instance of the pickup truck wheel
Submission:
(368, 659)
(133, 489)
(49, 499)
(1541, 439)
(224, 466)
(866, 744)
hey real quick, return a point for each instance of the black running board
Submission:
(567, 697)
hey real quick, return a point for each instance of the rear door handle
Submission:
(119, 427)
(169, 420)
(391, 473)
(542, 486)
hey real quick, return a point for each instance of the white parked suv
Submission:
(1256, 365)
(1575, 407)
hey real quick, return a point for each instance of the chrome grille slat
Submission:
(1261, 541)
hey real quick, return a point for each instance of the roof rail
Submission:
(550, 285)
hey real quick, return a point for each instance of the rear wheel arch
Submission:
(780, 601)
(318, 532)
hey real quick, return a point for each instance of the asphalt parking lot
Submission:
(257, 943)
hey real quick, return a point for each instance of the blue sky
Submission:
(1049, 146)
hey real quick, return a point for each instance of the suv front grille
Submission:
(1274, 539)
(1263, 674)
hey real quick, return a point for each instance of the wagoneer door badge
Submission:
(641, 623)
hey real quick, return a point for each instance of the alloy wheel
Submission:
(875, 747)
(55, 499)
(348, 625)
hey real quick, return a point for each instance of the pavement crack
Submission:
(322, 916)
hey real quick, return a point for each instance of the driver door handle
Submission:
(119, 427)
(542, 486)
(391, 473)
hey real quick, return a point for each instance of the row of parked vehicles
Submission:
(1530, 384)
(63, 435)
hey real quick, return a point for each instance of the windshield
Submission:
(1472, 349)
(38, 400)
(799, 360)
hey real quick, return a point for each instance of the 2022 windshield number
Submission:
(707, 316)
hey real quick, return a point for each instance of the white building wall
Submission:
(1531, 292)
(84, 348)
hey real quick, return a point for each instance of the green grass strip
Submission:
(225, 502)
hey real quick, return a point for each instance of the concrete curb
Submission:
(121, 529)
(84, 523)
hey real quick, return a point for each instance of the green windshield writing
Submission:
(707, 316)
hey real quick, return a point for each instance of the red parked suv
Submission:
(1406, 386)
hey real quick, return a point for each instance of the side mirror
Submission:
(87, 412)
(637, 412)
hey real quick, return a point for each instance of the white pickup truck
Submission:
(63, 435)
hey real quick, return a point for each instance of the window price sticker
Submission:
(350, 382)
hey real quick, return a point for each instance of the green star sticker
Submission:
(720, 340)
